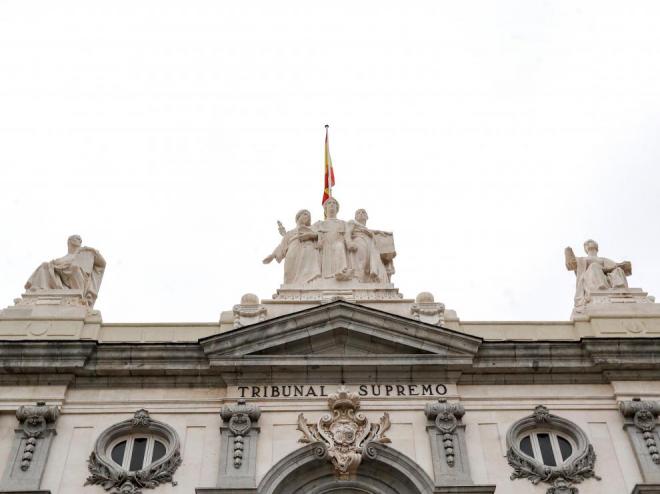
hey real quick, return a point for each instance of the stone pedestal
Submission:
(330, 289)
(620, 302)
(61, 314)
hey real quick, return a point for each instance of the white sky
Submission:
(172, 135)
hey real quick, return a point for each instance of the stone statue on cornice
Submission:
(332, 243)
(299, 251)
(594, 273)
(364, 257)
(80, 269)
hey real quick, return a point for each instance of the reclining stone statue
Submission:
(80, 269)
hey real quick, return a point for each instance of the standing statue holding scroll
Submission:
(81, 269)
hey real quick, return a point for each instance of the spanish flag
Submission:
(329, 173)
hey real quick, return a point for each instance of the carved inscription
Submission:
(321, 390)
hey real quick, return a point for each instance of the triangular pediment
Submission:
(338, 335)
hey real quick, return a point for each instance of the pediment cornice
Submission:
(404, 336)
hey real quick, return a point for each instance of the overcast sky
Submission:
(487, 135)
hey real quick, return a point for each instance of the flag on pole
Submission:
(329, 173)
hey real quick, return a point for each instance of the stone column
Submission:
(238, 446)
(27, 460)
(448, 447)
(641, 426)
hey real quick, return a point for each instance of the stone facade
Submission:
(338, 383)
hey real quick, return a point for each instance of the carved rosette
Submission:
(107, 474)
(239, 419)
(446, 417)
(345, 434)
(579, 467)
(35, 421)
(644, 415)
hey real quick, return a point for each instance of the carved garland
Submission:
(344, 436)
(112, 477)
(644, 415)
(446, 417)
(239, 418)
(580, 465)
(35, 421)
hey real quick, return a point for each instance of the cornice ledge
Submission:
(44, 356)
(623, 353)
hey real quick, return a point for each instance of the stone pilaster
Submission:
(641, 426)
(448, 447)
(27, 460)
(238, 446)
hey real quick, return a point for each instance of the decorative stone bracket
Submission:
(640, 424)
(344, 436)
(448, 448)
(31, 447)
(238, 443)
(239, 420)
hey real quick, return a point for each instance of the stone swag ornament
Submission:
(446, 417)
(644, 415)
(239, 419)
(35, 421)
(344, 436)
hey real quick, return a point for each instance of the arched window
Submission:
(545, 447)
(134, 454)
(137, 451)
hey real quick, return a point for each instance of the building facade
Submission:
(338, 384)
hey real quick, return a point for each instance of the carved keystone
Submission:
(641, 421)
(31, 446)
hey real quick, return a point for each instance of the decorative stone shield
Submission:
(345, 434)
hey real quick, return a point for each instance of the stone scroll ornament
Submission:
(344, 435)
(446, 417)
(239, 419)
(644, 415)
(35, 421)
(579, 467)
(111, 477)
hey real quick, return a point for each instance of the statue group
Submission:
(334, 249)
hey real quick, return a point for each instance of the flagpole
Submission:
(327, 151)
